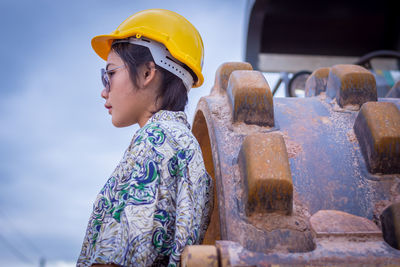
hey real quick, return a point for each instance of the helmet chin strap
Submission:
(162, 58)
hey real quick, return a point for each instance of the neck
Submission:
(148, 114)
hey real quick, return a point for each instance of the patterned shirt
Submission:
(157, 200)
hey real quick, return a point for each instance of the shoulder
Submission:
(157, 133)
(179, 135)
(153, 134)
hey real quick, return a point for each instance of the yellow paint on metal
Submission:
(383, 120)
(353, 84)
(263, 161)
(224, 72)
(200, 131)
(377, 128)
(250, 98)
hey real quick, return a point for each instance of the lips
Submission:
(108, 107)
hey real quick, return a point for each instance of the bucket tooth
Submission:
(351, 85)
(317, 81)
(390, 220)
(224, 72)
(377, 128)
(200, 256)
(264, 165)
(250, 98)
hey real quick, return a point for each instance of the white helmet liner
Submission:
(162, 58)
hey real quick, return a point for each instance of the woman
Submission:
(158, 199)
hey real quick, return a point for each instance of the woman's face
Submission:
(125, 103)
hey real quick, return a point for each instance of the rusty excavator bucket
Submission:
(300, 181)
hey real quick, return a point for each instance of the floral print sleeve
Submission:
(155, 203)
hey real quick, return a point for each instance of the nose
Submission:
(104, 93)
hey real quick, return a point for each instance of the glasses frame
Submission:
(105, 79)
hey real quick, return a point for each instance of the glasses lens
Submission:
(104, 79)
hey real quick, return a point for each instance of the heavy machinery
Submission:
(295, 38)
(300, 181)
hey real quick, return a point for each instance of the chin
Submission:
(121, 124)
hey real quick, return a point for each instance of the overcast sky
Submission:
(57, 143)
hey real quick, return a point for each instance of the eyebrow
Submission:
(109, 65)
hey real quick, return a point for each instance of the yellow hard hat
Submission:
(172, 30)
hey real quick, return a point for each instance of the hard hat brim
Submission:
(101, 44)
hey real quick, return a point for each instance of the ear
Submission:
(148, 73)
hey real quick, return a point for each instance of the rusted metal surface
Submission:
(251, 232)
(328, 172)
(200, 256)
(250, 98)
(339, 223)
(202, 136)
(377, 128)
(332, 251)
(351, 85)
(264, 165)
(317, 82)
(390, 219)
(223, 74)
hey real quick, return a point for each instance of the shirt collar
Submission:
(166, 115)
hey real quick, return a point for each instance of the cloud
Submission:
(47, 264)
(57, 142)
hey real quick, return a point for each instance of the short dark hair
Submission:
(173, 93)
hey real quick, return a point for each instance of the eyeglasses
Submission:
(106, 79)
